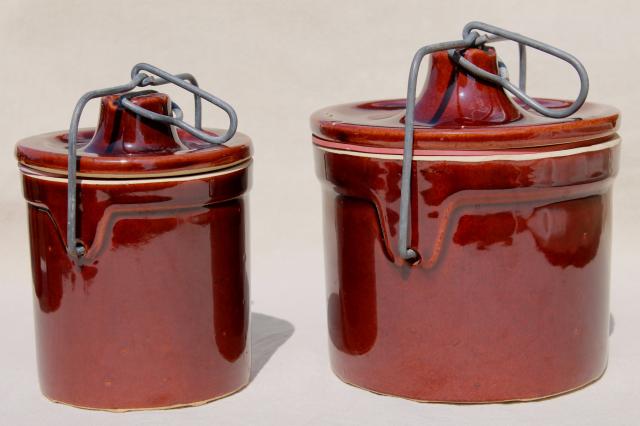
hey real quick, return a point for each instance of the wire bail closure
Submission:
(472, 38)
(139, 78)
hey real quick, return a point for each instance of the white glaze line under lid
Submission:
(138, 176)
(227, 170)
(464, 157)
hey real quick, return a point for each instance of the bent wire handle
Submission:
(406, 252)
(472, 38)
(138, 79)
(157, 81)
(74, 249)
(519, 92)
(198, 93)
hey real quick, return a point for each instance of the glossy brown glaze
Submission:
(509, 300)
(458, 112)
(150, 148)
(156, 313)
(452, 99)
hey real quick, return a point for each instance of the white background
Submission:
(277, 62)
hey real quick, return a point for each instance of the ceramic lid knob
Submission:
(451, 97)
(123, 132)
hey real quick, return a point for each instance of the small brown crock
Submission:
(155, 312)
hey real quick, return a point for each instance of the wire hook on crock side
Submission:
(75, 248)
(472, 38)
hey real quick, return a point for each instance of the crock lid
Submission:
(457, 111)
(127, 145)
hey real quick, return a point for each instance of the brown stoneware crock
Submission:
(507, 296)
(154, 313)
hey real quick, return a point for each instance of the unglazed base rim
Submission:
(166, 407)
(501, 401)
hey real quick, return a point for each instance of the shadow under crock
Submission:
(267, 335)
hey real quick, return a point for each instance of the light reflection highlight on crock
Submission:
(49, 276)
(567, 233)
(352, 311)
(229, 279)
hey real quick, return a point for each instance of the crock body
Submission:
(510, 299)
(156, 313)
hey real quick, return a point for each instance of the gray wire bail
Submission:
(185, 81)
(472, 39)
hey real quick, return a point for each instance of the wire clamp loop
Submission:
(472, 38)
(140, 78)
